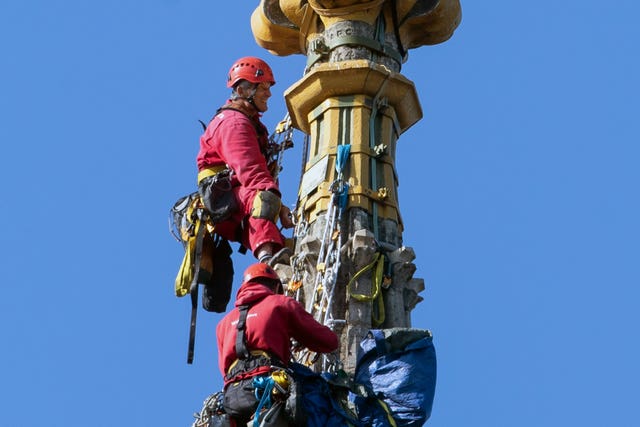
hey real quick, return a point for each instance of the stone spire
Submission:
(354, 271)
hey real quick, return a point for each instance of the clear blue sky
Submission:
(518, 189)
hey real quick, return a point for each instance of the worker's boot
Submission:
(281, 263)
(283, 256)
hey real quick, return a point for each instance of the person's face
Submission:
(262, 95)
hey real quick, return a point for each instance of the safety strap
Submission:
(241, 346)
(201, 227)
(256, 123)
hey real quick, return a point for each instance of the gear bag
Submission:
(217, 288)
(240, 400)
(216, 193)
(398, 364)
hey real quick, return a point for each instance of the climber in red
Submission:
(236, 139)
(252, 346)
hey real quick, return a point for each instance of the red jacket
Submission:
(272, 320)
(234, 139)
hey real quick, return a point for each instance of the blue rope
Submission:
(342, 156)
(266, 385)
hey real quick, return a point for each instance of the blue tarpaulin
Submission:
(321, 408)
(399, 366)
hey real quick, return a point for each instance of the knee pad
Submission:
(266, 205)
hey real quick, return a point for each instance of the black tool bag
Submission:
(216, 193)
(240, 400)
(217, 288)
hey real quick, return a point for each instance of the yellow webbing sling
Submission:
(376, 294)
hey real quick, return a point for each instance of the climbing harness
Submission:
(268, 387)
(247, 361)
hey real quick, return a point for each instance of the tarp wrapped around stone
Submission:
(399, 366)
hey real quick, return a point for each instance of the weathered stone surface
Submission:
(341, 32)
(285, 27)
(355, 48)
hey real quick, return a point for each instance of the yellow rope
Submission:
(376, 283)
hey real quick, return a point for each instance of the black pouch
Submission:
(240, 400)
(217, 287)
(294, 405)
(216, 193)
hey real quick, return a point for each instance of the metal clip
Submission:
(380, 149)
(319, 47)
(383, 193)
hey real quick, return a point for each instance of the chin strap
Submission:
(250, 98)
(253, 104)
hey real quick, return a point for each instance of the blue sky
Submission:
(518, 190)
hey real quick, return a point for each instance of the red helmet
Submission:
(252, 69)
(259, 270)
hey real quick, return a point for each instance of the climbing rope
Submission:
(267, 389)
(263, 389)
